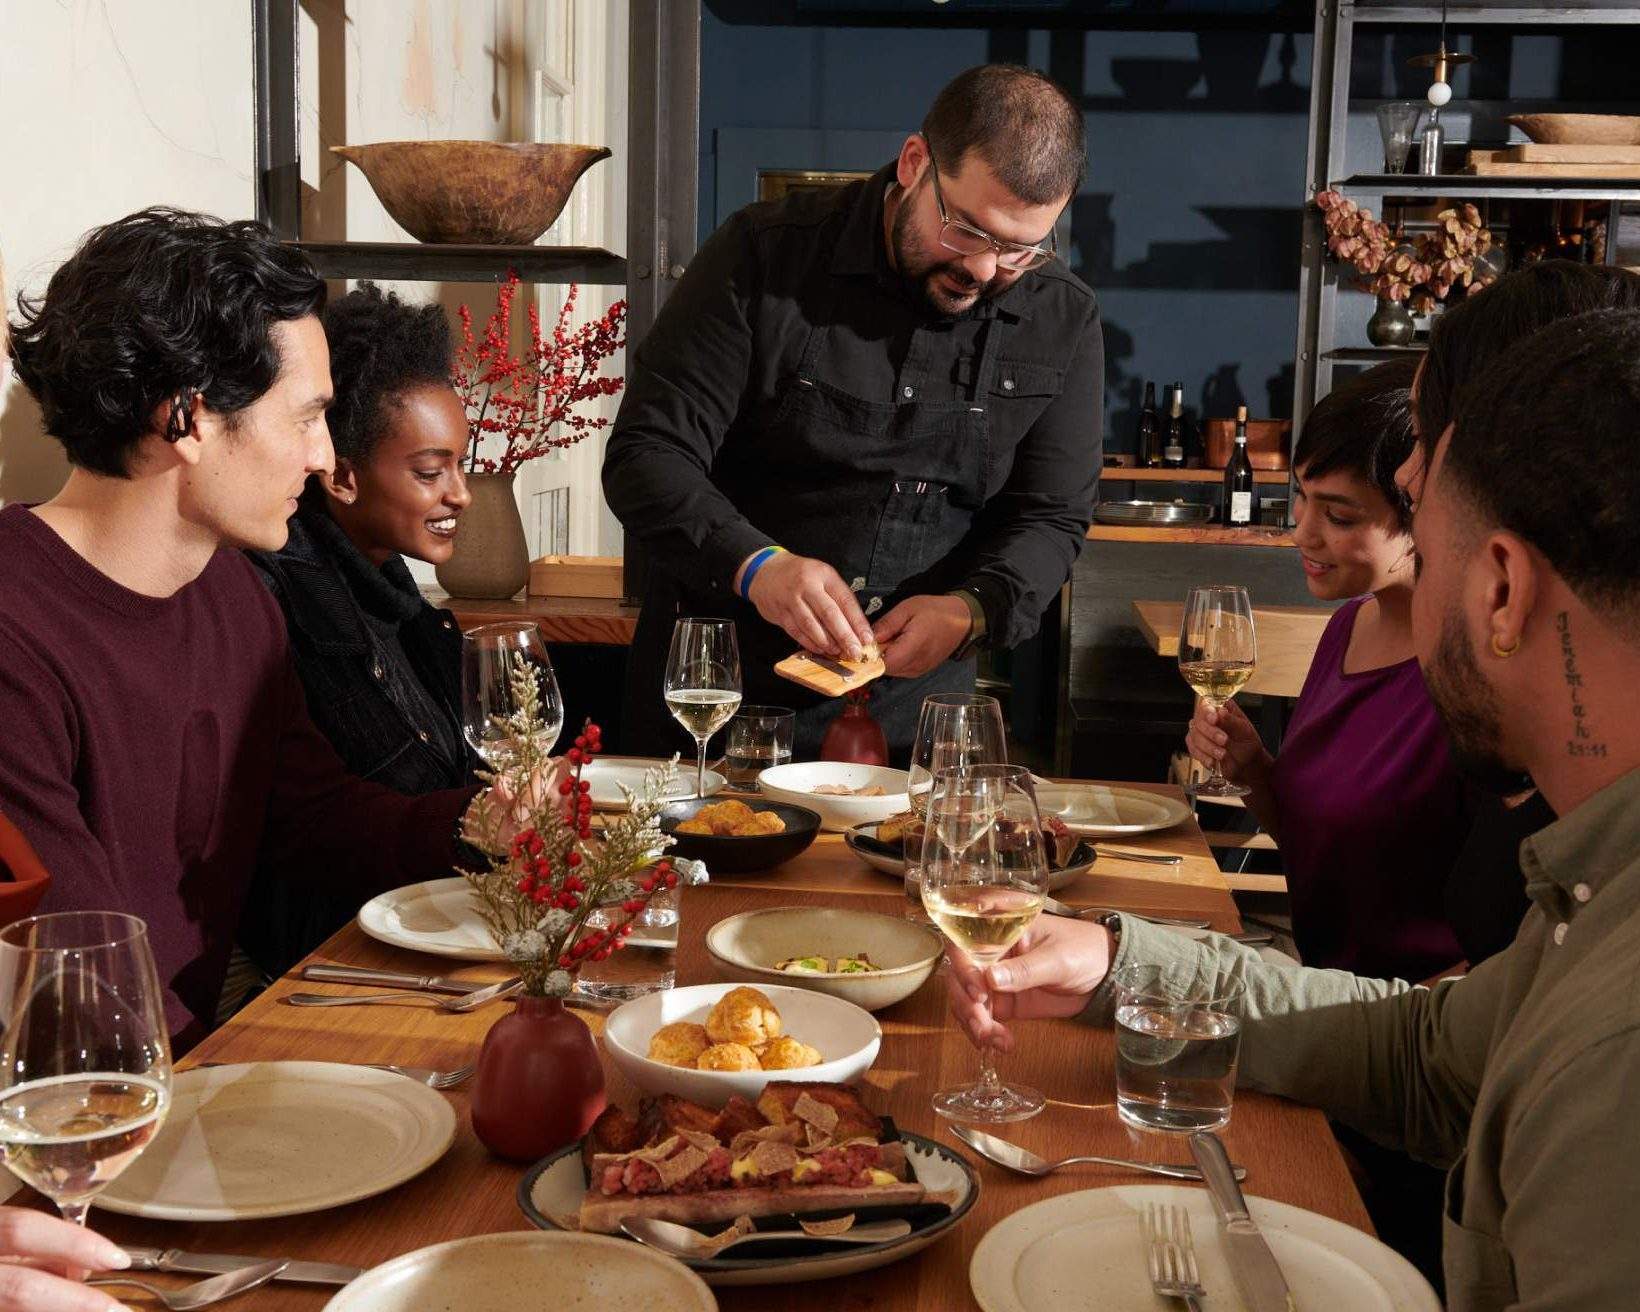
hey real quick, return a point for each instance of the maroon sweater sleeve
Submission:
(327, 826)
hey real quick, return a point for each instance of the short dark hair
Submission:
(157, 305)
(1546, 446)
(1364, 426)
(1486, 324)
(1022, 124)
(380, 347)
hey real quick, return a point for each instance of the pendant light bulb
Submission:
(1440, 93)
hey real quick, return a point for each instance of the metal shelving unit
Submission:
(1335, 24)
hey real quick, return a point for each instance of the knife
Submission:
(826, 663)
(390, 978)
(174, 1259)
(1263, 1288)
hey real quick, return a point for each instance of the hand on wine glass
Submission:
(85, 1061)
(1048, 974)
(493, 657)
(1223, 737)
(42, 1260)
(983, 889)
(1217, 656)
(703, 682)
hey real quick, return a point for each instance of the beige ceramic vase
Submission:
(492, 558)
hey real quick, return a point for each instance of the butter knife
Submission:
(1258, 1277)
(390, 978)
(835, 667)
(175, 1259)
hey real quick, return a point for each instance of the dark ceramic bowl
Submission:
(730, 855)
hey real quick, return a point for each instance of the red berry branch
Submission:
(530, 403)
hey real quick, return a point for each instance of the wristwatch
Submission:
(976, 623)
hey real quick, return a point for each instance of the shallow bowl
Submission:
(795, 783)
(744, 854)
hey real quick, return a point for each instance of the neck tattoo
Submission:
(1582, 742)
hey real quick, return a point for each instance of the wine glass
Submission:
(1217, 654)
(85, 1061)
(491, 655)
(983, 886)
(703, 682)
(953, 730)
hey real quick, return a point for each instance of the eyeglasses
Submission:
(965, 239)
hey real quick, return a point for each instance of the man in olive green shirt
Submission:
(1523, 1076)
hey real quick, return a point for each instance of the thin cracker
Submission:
(815, 1112)
(674, 1170)
(769, 1159)
(838, 1225)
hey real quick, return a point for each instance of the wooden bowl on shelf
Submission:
(487, 193)
(1579, 129)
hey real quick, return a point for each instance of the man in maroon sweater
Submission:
(153, 735)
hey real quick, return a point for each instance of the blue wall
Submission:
(1188, 224)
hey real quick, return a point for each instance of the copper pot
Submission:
(1266, 442)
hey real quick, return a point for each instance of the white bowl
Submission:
(846, 1035)
(796, 783)
(905, 953)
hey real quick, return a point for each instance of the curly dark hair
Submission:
(1364, 426)
(380, 347)
(162, 304)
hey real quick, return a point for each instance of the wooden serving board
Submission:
(801, 668)
(1503, 168)
(1535, 153)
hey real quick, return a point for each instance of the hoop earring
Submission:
(1502, 652)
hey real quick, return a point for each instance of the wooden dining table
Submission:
(1288, 1151)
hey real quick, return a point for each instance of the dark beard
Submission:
(1469, 710)
(919, 267)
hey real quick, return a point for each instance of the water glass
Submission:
(1177, 1040)
(1398, 126)
(759, 737)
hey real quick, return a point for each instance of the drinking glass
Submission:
(85, 1061)
(491, 655)
(984, 878)
(759, 737)
(703, 682)
(1177, 1038)
(1217, 655)
(953, 730)
(1398, 126)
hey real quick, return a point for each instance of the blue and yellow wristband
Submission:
(756, 563)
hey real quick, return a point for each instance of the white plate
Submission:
(607, 774)
(1097, 809)
(555, 1186)
(522, 1270)
(895, 866)
(795, 783)
(282, 1138)
(439, 918)
(846, 1035)
(1083, 1251)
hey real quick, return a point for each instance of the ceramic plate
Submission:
(1083, 1251)
(519, 1271)
(282, 1138)
(1096, 809)
(439, 918)
(895, 866)
(607, 774)
(555, 1187)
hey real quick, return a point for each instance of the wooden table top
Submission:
(1287, 639)
(1288, 1150)
(560, 619)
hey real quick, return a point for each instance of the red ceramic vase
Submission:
(855, 734)
(539, 1084)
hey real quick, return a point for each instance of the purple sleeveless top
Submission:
(1371, 816)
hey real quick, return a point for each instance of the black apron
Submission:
(884, 493)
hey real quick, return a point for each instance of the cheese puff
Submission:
(728, 1057)
(745, 1016)
(679, 1044)
(788, 1054)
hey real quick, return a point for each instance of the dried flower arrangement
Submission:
(1421, 270)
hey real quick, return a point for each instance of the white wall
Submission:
(110, 105)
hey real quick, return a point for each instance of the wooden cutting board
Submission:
(807, 670)
(1534, 153)
(1511, 169)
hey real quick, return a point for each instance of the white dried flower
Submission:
(554, 921)
(557, 984)
(525, 946)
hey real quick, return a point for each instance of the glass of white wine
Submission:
(703, 682)
(85, 1061)
(953, 730)
(984, 879)
(1217, 656)
(491, 657)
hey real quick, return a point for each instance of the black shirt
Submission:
(693, 472)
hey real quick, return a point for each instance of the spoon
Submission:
(203, 1293)
(1026, 1162)
(681, 1241)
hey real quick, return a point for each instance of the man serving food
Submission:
(872, 416)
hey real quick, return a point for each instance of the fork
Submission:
(461, 1002)
(431, 1078)
(1172, 1253)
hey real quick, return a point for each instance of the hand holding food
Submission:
(921, 632)
(809, 600)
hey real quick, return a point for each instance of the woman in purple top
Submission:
(1364, 799)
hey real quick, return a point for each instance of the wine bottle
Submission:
(1239, 491)
(1173, 452)
(1149, 448)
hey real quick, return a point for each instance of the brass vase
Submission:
(491, 560)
